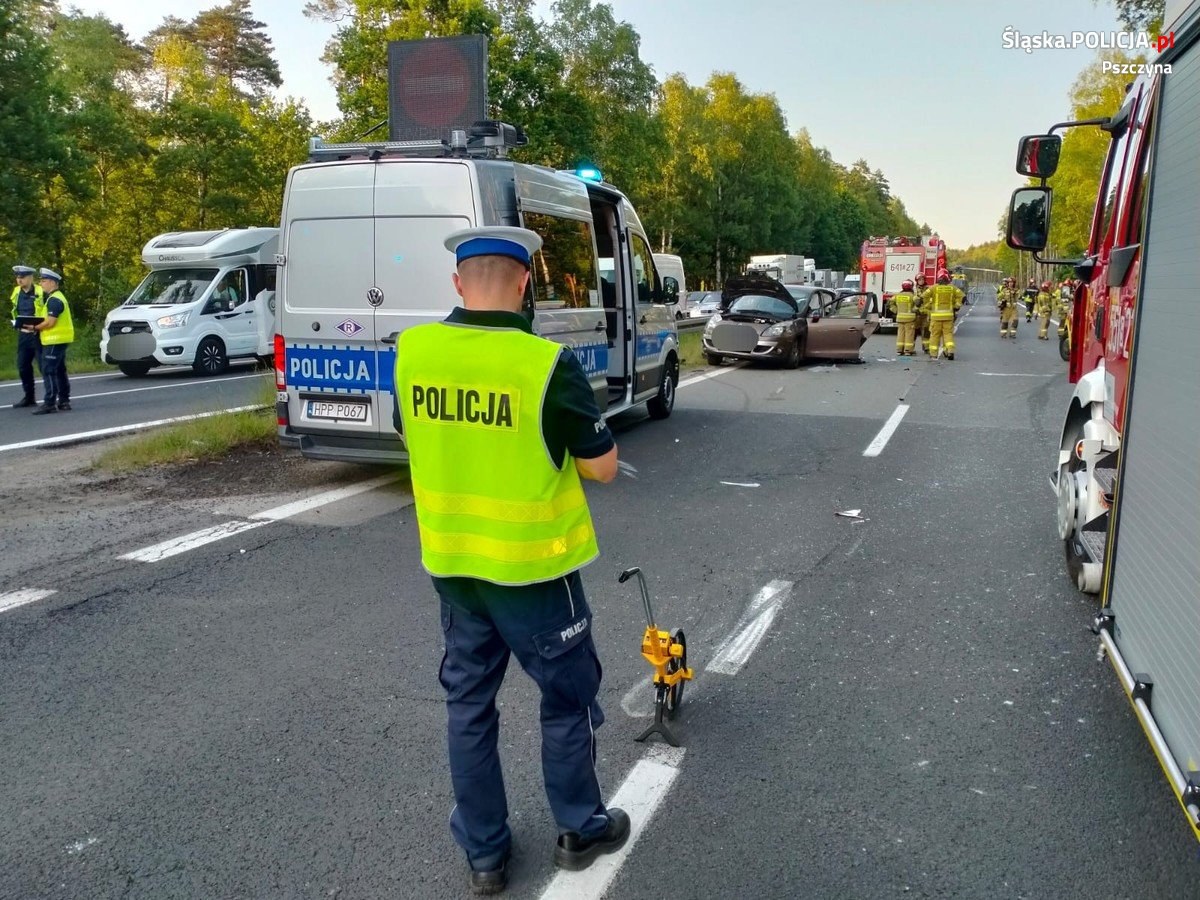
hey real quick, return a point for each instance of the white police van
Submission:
(361, 259)
(208, 298)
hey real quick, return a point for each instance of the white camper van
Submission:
(670, 264)
(362, 258)
(209, 298)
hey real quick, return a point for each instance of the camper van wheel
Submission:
(210, 358)
(660, 406)
(134, 369)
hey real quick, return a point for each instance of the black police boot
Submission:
(25, 402)
(44, 408)
(65, 406)
(574, 852)
(491, 881)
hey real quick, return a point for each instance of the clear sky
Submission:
(924, 91)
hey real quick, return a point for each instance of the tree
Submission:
(237, 48)
(1142, 15)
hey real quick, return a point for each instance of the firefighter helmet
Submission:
(1045, 285)
(906, 285)
(943, 277)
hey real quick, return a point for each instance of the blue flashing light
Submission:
(589, 173)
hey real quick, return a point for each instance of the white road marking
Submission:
(119, 429)
(742, 483)
(175, 546)
(74, 378)
(163, 387)
(696, 379)
(178, 545)
(885, 433)
(13, 599)
(642, 792)
(735, 652)
(295, 508)
(639, 699)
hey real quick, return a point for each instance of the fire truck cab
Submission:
(886, 262)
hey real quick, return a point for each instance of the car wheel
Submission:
(660, 406)
(210, 358)
(134, 369)
(714, 359)
(794, 355)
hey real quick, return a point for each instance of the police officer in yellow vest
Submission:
(904, 307)
(56, 332)
(942, 301)
(501, 426)
(28, 299)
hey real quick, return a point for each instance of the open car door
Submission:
(839, 327)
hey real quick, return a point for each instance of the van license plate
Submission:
(349, 410)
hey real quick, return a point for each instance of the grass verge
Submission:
(84, 355)
(691, 351)
(199, 439)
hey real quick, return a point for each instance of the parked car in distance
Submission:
(702, 304)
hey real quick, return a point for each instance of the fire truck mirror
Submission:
(1029, 218)
(1037, 155)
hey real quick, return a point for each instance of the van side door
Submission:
(565, 275)
(652, 321)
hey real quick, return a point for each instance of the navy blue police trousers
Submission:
(29, 351)
(548, 627)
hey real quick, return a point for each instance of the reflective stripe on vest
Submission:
(904, 307)
(62, 331)
(942, 297)
(491, 503)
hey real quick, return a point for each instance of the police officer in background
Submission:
(56, 332)
(500, 426)
(28, 299)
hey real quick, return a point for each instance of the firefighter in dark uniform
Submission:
(28, 299)
(500, 427)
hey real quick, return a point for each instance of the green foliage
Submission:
(1141, 15)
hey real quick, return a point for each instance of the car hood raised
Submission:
(764, 285)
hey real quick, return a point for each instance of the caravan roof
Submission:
(229, 246)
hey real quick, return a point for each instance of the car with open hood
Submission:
(761, 319)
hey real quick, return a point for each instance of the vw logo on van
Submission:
(375, 296)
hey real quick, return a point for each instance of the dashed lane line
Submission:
(640, 795)
(80, 436)
(885, 433)
(175, 546)
(13, 599)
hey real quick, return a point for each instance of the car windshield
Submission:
(711, 299)
(760, 305)
(799, 293)
(170, 286)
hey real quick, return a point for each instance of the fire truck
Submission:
(886, 262)
(1126, 477)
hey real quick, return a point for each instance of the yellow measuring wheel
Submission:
(667, 653)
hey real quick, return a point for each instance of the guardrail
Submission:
(689, 324)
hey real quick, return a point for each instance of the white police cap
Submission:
(22, 271)
(50, 273)
(495, 240)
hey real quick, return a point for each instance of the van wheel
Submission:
(210, 358)
(134, 369)
(661, 405)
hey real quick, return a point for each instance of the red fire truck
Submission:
(1126, 478)
(886, 262)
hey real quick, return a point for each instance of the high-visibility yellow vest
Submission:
(904, 304)
(942, 300)
(63, 330)
(491, 503)
(39, 300)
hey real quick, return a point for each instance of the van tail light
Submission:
(280, 367)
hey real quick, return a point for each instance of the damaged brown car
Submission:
(761, 319)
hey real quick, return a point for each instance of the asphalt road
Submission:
(915, 710)
(112, 400)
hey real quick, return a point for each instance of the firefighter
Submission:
(1065, 294)
(1031, 293)
(943, 301)
(903, 306)
(921, 323)
(1006, 300)
(1044, 305)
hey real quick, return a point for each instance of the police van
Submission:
(361, 259)
(208, 299)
